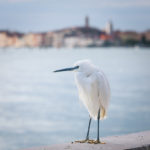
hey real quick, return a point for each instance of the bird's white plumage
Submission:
(93, 88)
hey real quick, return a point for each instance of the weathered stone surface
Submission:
(135, 141)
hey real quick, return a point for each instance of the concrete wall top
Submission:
(135, 141)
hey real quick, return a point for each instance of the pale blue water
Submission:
(38, 107)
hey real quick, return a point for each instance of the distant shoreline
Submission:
(75, 37)
(78, 48)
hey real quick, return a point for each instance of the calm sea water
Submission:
(38, 107)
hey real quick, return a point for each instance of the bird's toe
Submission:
(81, 141)
(98, 142)
(90, 141)
(95, 142)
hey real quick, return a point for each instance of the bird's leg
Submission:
(87, 136)
(97, 141)
(98, 120)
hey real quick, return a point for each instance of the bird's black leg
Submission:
(98, 118)
(87, 136)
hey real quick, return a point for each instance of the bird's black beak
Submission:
(67, 69)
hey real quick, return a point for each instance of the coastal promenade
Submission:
(135, 141)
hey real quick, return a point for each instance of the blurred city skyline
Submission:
(48, 15)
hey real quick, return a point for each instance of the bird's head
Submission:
(80, 66)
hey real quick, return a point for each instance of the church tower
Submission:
(109, 28)
(87, 22)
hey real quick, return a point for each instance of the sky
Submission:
(48, 15)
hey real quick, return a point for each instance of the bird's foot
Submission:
(81, 141)
(97, 142)
(90, 141)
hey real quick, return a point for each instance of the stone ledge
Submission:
(135, 141)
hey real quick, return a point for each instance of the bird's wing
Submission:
(103, 89)
(94, 92)
(100, 91)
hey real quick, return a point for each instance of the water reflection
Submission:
(38, 107)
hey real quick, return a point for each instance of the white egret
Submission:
(94, 92)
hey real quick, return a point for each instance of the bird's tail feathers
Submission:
(103, 113)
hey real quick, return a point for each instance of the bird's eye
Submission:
(76, 67)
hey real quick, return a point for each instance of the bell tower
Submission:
(87, 22)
